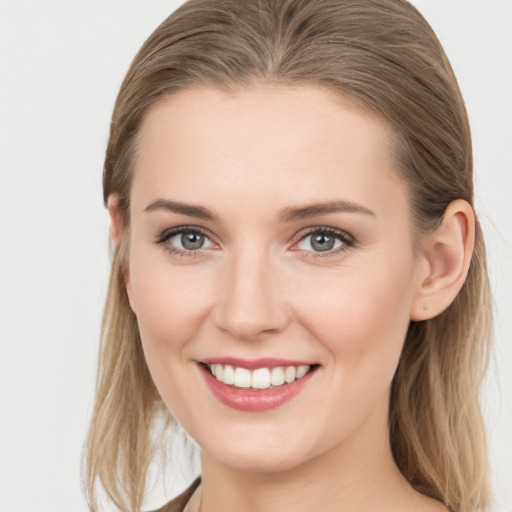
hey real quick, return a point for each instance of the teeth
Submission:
(277, 377)
(260, 378)
(229, 374)
(302, 370)
(217, 370)
(290, 373)
(242, 378)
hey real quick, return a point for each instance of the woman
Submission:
(299, 278)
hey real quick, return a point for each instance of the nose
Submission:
(251, 302)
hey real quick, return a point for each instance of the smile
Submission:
(257, 385)
(260, 378)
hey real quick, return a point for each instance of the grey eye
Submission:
(192, 241)
(185, 241)
(322, 242)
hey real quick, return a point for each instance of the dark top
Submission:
(180, 502)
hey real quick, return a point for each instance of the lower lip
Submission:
(252, 400)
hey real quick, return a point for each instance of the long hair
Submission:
(383, 56)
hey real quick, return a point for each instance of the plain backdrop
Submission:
(61, 64)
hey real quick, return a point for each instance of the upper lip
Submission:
(250, 364)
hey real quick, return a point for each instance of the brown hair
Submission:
(382, 55)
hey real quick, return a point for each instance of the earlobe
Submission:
(116, 228)
(448, 252)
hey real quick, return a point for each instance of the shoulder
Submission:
(179, 503)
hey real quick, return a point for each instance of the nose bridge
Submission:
(251, 302)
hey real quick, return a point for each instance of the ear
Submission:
(116, 228)
(116, 233)
(447, 253)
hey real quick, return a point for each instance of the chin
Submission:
(256, 454)
(258, 461)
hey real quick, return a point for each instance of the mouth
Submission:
(262, 378)
(257, 385)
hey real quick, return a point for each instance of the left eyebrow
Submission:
(291, 214)
(200, 212)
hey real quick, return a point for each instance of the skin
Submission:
(257, 288)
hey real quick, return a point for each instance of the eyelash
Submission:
(165, 236)
(347, 241)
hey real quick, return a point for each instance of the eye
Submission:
(184, 240)
(325, 240)
(190, 241)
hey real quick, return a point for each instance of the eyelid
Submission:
(167, 234)
(347, 239)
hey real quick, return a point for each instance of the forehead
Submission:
(293, 143)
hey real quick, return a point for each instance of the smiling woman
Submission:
(299, 277)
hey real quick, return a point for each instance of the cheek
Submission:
(361, 317)
(170, 303)
(362, 314)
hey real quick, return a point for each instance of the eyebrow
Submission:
(199, 212)
(288, 214)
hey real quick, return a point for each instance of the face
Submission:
(271, 245)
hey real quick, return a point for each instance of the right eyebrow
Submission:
(290, 214)
(199, 212)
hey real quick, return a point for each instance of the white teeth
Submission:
(290, 373)
(260, 378)
(219, 371)
(229, 375)
(302, 370)
(242, 378)
(277, 377)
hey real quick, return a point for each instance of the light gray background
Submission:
(61, 64)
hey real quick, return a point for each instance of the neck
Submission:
(357, 474)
